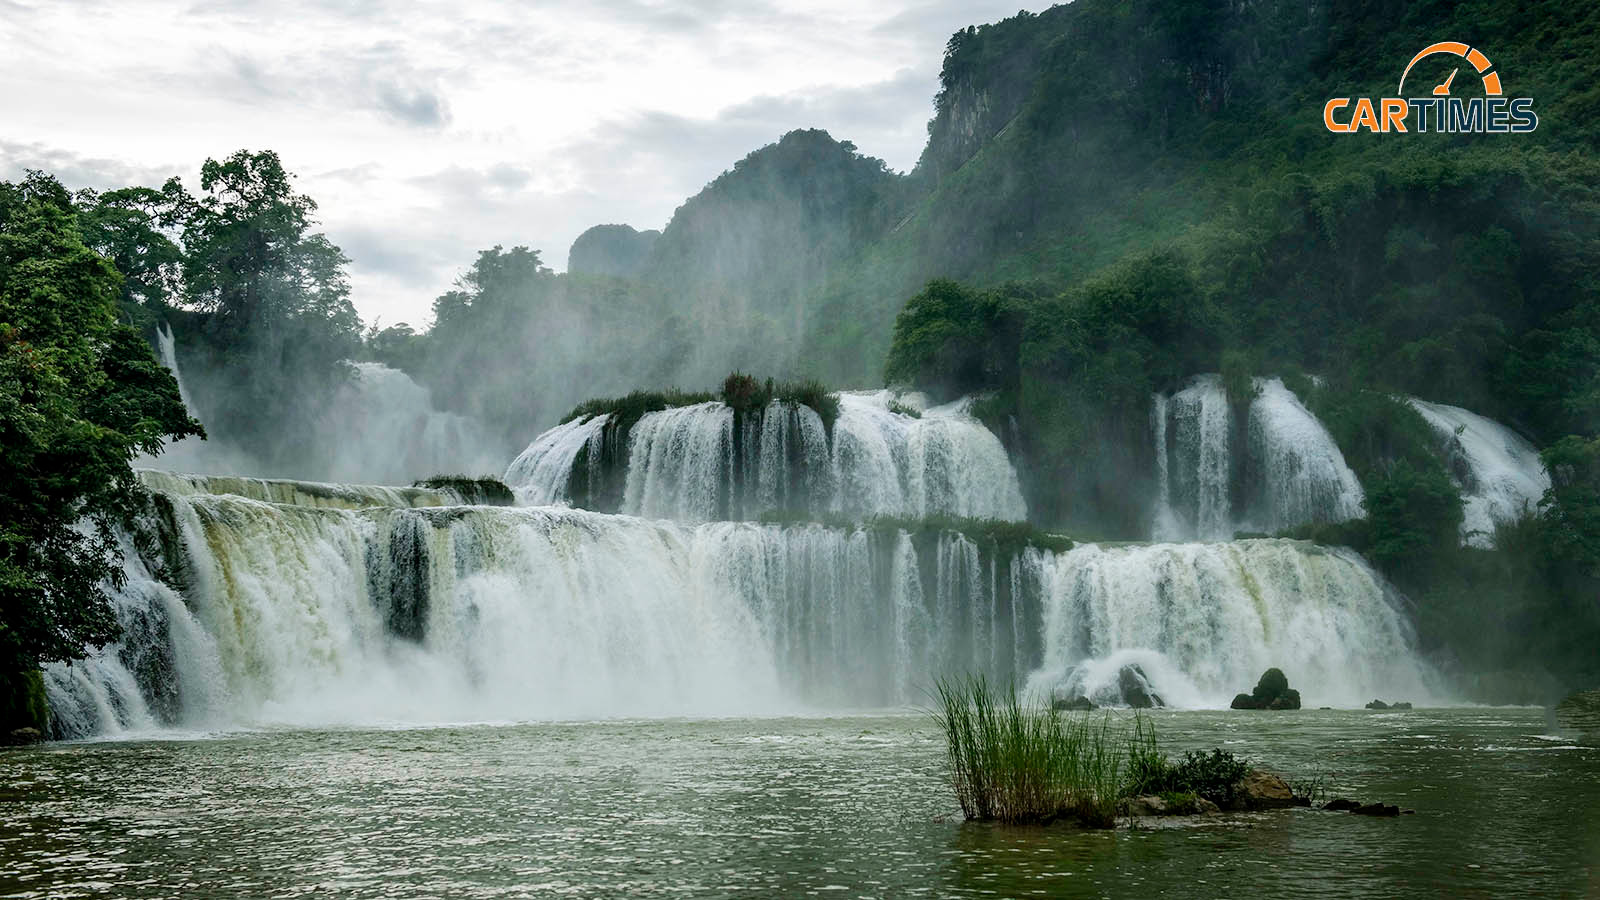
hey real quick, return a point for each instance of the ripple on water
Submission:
(775, 806)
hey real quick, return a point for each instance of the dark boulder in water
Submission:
(1341, 804)
(1272, 691)
(1376, 809)
(1135, 688)
(1073, 704)
(1379, 704)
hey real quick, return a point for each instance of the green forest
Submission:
(1114, 196)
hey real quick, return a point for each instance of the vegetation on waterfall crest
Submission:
(742, 393)
(485, 490)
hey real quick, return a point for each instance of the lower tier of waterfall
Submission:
(241, 612)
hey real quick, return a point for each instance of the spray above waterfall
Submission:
(380, 426)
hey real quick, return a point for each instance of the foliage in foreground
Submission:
(1214, 776)
(80, 396)
(1024, 762)
(1019, 763)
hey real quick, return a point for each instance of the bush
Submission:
(1214, 776)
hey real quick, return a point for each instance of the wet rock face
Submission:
(1135, 687)
(1259, 789)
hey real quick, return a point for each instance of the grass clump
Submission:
(484, 491)
(1020, 762)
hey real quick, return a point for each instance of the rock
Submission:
(1340, 804)
(1147, 805)
(1289, 699)
(1271, 692)
(1079, 702)
(1377, 704)
(1259, 789)
(1401, 705)
(21, 736)
(1135, 687)
(1205, 807)
(1376, 809)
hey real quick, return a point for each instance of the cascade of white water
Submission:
(1499, 471)
(680, 463)
(941, 463)
(1295, 471)
(1203, 621)
(1165, 526)
(541, 475)
(1283, 469)
(700, 463)
(305, 613)
(1200, 470)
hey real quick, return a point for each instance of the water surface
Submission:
(849, 806)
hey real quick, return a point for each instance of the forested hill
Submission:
(1065, 141)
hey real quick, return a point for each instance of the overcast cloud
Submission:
(429, 131)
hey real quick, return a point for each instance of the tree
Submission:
(279, 323)
(80, 396)
(134, 229)
(1571, 507)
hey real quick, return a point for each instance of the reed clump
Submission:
(1025, 763)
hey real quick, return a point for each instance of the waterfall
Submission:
(1200, 467)
(944, 462)
(1499, 472)
(541, 475)
(1203, 621)
(680, 464)
(1283, 470)
(1295, 467)
(705, 462)
(245, 612)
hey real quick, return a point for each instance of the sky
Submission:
(429, 131)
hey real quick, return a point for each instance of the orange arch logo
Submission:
(1439, 111)
(1491, 81)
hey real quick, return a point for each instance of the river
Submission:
(835, 806)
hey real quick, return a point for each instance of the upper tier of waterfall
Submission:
(706, 462)
(1498, 470)
(380, 425)
(243, 611)
(1216, 475)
